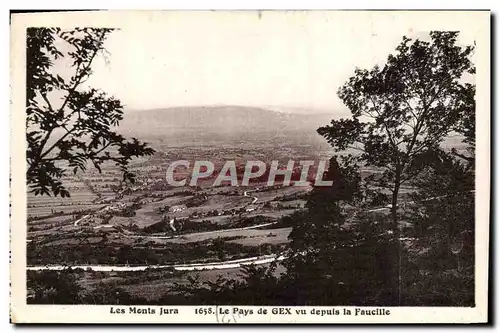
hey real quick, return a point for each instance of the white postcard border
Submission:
(476, 21)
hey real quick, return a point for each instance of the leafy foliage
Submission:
(53, 287)
(406, 108)
(254, 286)
(444, 228)
(77, 130)
(334, 261)
(400, 115)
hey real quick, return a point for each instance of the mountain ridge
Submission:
(229, 119)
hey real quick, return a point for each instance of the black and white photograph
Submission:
(251, 166)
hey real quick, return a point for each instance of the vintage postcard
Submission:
(250, 167)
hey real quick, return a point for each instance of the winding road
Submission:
(81, 219)
(237, 263)
(255, 199)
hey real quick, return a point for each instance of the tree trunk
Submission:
(395, 271)
(394, 206)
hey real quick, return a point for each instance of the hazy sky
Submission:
(286, 60)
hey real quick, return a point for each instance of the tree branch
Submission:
(356, 148)
(70, 93)
(44, 96)
(80, 77)
(467, 158)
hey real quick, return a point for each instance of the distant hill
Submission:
(219, 120)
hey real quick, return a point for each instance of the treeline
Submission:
(147, 254)
(62, 287)
(186, 226)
